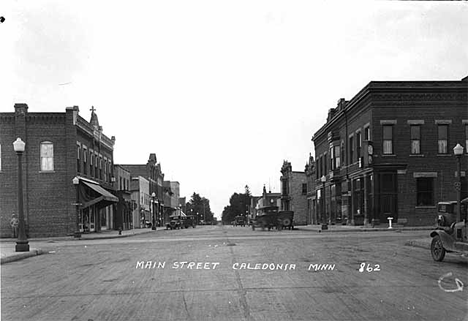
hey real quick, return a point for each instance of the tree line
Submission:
(239, 204)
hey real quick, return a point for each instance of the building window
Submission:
(425, 191)
(0, 157)
(358, 144)
(388, 139)
(96, 166)
(337, 156)
(415, 139)
(47, 156)
(105, 170)
(100, 168)
(367, 133)
(91, 162)
(304, 188)
(325, 163)
(85, 161)
(78, 158)
(351, 149)
(466, 140)
(442, 134)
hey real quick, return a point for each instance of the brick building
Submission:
(163, 195)
(294, 193)
(123, 218)
(59, 147)
(388, 152)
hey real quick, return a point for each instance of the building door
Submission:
(388, 196)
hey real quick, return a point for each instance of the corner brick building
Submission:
(388, 152)
(59, 147)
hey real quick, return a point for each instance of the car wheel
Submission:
(437, 249)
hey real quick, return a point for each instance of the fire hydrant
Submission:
(120, 230)
(390, 222)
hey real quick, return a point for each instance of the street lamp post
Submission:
(458, 152)
(22, 244)
(76, 182)
(153, 196)
(323, 179)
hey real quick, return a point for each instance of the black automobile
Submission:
(450, 234)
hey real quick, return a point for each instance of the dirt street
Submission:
(234, 273)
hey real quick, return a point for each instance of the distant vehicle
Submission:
(174, 223)
(270, 217)
(450, 235)
(188, 221)
(239, 220)
(287, 219)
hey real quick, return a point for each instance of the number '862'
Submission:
(369, 268)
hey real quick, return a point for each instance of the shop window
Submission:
(388, 139)
(442, 134)
(47, 156)
(425, 191)
(415, 139)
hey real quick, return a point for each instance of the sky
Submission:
(221, 91)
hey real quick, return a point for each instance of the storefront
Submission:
(96, 206)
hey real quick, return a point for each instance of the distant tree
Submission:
(200, 207)
(238, 205)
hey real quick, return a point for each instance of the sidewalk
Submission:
(8, 245)
(362, 228)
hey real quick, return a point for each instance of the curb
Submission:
(21, 256)
(72, 238)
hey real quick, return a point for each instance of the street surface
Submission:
(234, 273)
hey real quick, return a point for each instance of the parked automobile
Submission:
(188, 221)
(174, 223)
(239, 220)
(450, 235)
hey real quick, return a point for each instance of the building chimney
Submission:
(21, 108)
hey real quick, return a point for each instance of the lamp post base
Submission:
(22, 246)
(324, 226)
(153, 228)
(77, 235)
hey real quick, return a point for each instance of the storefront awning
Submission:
(104, 196)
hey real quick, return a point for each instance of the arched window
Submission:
(47, 156)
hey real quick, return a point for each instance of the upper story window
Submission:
(85, 161)
(367, 134)
(442, 136)
(358, 144)
(0, 157)
(105, 169)
(466, 142)
(415, 139)
(351, 149)
(387, 139)
(78, 158)
(47, 156)
(304, 188)
(96, 166)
